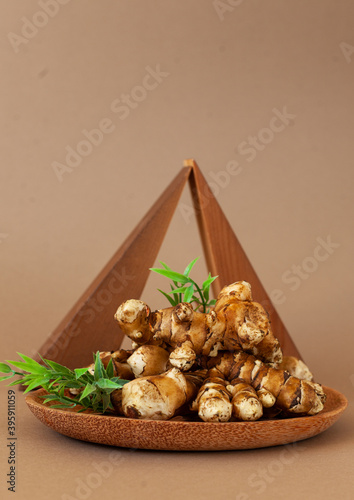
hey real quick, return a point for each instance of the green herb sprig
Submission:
(185, 289)
(93, 389)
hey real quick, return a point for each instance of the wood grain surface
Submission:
(89, 326)
(181, 435)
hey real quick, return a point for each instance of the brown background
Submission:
(226, 75)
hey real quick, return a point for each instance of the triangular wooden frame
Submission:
(89, 326)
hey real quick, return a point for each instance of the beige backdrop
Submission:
(261, 95)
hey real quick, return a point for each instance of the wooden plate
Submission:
(183, 435)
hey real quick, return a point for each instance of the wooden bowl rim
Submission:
(184, 435)
(32, 399)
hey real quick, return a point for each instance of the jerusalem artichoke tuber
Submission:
(246, 370)
(296, 367)
(148, 360)
(213, 401)
(159, 397)
(245, 402)
(292, 395)
(235, 323)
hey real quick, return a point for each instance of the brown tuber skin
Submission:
(213, 401)
(296, 367)
(247, 323)
(292, 395)
(246, 373)
(148, 360)
(236, 323)
(245, 402)
(159, 397)
(133, 318)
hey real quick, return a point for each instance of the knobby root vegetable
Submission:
(218, 400)
(296, 367)
(239, 370)
(129, 364)
(133, 318)
(292, 395)
(245, 402)
(159, 397)
(247, 324)
(235, 323)
(148, 360)
(213, 401)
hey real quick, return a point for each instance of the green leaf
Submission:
(100, 372)
(97, 398)
(182, 289)
(61, 388)
(66, 399)
(34, 366)
(56, 378)
(175, 295)
(36, 383)
(104, 383)
(59, 368)
(74, 384)
(55, 397)
(4, 368)
(188, 293)
(206, 286)
(89, 389)
(30, 361)
(53, 382)
(208, 281)
(28, 365)
(189, 267)
(163, 264)
(79, 372)
(19, 364)
(51, 397)
(119, 380)
(106, 400)
(16, 382)
(25, 380)
(170, 299)
(64, 406)
(168, 268)
(110, 369)
(171, 274)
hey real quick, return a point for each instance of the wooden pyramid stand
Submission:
(90, 326)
